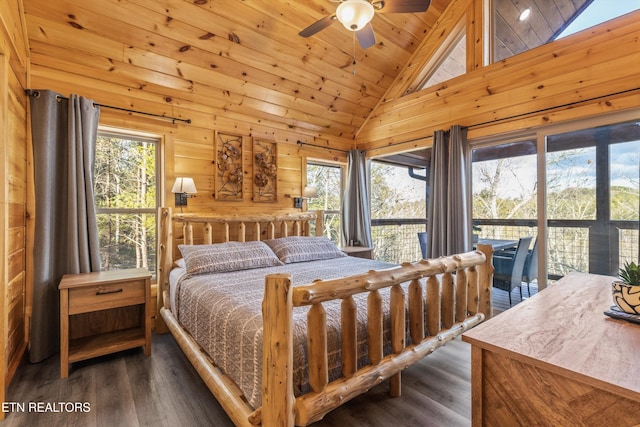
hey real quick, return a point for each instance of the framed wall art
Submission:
(229, 167)
(265, 171)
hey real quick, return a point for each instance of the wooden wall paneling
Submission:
(16, 175)
(327, 154)
(505, 89)
(165, 96)
(289, 186)
(194, 150)
(4, 218)
(141, 99)
(603, 106)
(195, 159)
(13, 143)
(13, 40)
(475, 36)
(444, 112)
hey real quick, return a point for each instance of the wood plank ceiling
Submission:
(240, 58)
(244, 60)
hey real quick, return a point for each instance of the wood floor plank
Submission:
(129, 389)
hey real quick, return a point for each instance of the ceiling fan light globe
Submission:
(355, 14)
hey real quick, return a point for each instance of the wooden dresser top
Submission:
(563, 329)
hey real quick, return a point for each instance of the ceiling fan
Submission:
(356, 16)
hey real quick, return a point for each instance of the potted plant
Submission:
(626, 291)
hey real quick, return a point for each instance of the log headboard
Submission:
(211, 228)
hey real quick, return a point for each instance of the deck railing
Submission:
(572, 245)
(396, 240)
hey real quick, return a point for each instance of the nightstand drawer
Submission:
(102, 297)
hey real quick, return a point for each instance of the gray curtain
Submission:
(448, 225)
(64, 135)
(356, 214)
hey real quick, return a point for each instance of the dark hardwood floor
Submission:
(129, 389)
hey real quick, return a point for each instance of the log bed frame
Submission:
(453, 304)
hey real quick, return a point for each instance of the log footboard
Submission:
(437, 312)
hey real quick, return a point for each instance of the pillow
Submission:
(229, 256)
(304, 248)
(179, 263)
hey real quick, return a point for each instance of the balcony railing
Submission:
(571, 245)
(396, 240)
(574, 245)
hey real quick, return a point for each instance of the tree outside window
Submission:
(328, 180)
(126, 201)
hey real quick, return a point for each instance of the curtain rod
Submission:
(321, 146)
(30, 92)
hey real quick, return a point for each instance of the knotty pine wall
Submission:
(13, 198)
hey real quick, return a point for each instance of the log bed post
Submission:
(485, 276)
(319, 223)
(165, 259)
(277, 353)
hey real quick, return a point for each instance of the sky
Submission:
(600, 11)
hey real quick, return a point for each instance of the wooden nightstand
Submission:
(102, 313)
(358, 251)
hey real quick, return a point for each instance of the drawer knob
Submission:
(104, 292)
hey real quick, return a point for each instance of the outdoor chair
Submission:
(530, 269)
(509, 269)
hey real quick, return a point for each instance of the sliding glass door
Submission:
(593, 198)
(574, 187)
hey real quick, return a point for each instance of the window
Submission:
(452, 62)
(593, 198)
(447, 62)
(523, 25)
(126, 198)
(504, 190)
(590, 203)
(328, 180)
(398, 211)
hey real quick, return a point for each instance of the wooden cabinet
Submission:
(102, 313)
(358, 251)
(556, 359)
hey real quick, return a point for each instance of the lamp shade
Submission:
(184, 185)
(355, 14)
(310, 192)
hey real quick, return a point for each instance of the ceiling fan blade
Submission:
(366, 36)
(403, 6)
(318, 26)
